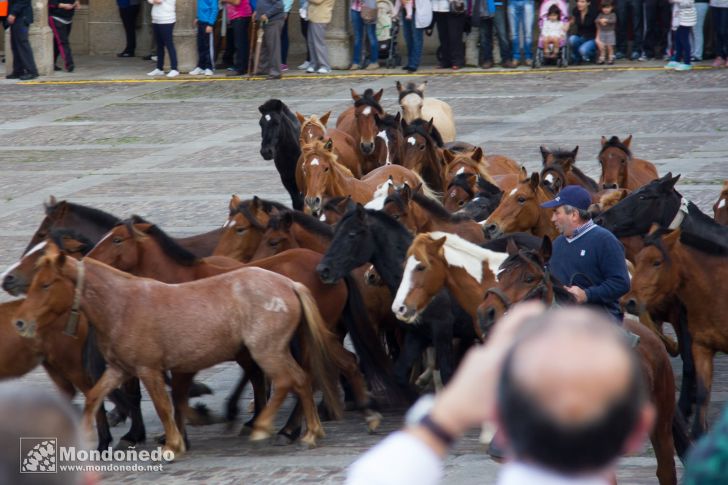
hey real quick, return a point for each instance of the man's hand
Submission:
(11, 19)
(264, 18)
(578, 293)
(208, 29)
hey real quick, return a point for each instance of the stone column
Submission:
(41, 40)
(337, 37)
(185, 36)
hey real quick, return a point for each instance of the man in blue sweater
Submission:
(587, 258)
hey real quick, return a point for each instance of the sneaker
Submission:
(718, 62)
(619, 55)
(486, 65)
(231, 68)
(310, 68)
(355, 67)
(671, 65)
(683, 67)
(196, 71)
(372, 66)
(634, 56)
(284, 67)
(173, 73)
(156, 72)
(642, 57)
(304, 66)
(153, 58)
(208, 72)
(323, 70)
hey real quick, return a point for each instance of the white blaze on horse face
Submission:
(267, 117)
(405, 285)
(721, 204)
(229, 223)
(322, 218)
(12, 267)
(383, 135)
(513, 192)
(549, 178)
(367, 111)
(461, 170)
(9, 270)
(314, 162)
(411, 140)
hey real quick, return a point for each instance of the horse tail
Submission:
(680, 435)
(319, 344)
(373, 361)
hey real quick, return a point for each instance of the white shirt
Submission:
(163, 13)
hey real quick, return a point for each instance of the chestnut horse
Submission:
(439, 259)
(523, 276)
(720, 208)
(415, 106)
(520, 211)
(248, 307)
(423, 153)
(359, 121)
(668, 268)
(325, 176)
(422, 214)
(554, 179)
(619, 169)
(314, 128)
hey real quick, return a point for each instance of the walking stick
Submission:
(258, 47)
(252, 35)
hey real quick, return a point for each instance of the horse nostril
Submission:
(324, 272)
(402, 310)
(631, 306)
(19, 324)
(610, 186)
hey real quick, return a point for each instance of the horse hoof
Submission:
(161, 439)
(124, 444)
(198, 389)
(282, 439)
(115, 418)
(373, 420)
(176, 453)
(259, 435)
(308, 442)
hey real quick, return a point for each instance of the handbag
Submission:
(369, 11)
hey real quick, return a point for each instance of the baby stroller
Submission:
(387, 34)
(560, 55)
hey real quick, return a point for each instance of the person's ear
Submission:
(641, 432)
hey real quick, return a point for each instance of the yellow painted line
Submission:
(317, 77)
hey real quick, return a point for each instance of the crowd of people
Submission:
(595, 31)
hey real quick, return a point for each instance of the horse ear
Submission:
(300, 117)
(406, 192)
(477, 154)
(523, 171)
(255, 204)
(139, 231)
(421, 87)
(448, 155)
(234, 203)
(379, 94)
(535, 180)
(355, 96)
(574, 152)
(545, 250)
(325, 118)
(603, 140)
(360, 214)
(329, 145)
(438, 243)
(398, 117)
(430, 124)
(671, 238)
(377, 120)
(402, 122)
(399, 86)
(511, 247)
(260, 108)
(627, 141)
(667, 183)
(51, 202)
(286, 220)
(545, 152)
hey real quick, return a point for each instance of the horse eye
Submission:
(657, 263)
(521, 200)
(420, 267)
(422, 147)
(47, 285)
(117, 240)
(326, 169)
(352, 234)
(240, 230)
(396, 217)
(461, 203)
(274, 242)
(529, 279)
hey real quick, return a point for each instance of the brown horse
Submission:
(667, 268)
(325, 176)
(620, 169)
(423, 153)
(390, 132)
(143, 249)
(523, 277)
(18, 355)
(359, 121)
(720, 208)
(559, 169)
(422, 214)
(314, 128)
(520, 211)
(187, 328)
(334, 209)
(438, 259)
(497, 170)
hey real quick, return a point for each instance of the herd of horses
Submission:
(411, 243)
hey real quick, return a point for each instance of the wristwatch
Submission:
(419, 415)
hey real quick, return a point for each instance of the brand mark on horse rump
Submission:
(276, 304)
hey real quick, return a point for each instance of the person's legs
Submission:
(528, 17)
(485, 33)
(20, 32)
(319, 51)
(588, 50)
(18, 67)
(272, 41)
(64, 31)
(128, 19)
(168, 31)
(720, 26)
(418, 39)
(575, 42)
(284, 42)
(304, 32)
(56, 41)
(201, 48)
(651, 28)
(371, 31)
(157, 31)
(358, 27)
(621, 9)
(456, 46)
(515, 18)
(637, 28)
(242, 48)
(442, 19)
(501, 30)
(408, 33)
(683, 44)
(697, 32)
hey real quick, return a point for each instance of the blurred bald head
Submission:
(571, 391)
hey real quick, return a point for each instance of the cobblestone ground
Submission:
(174, 152)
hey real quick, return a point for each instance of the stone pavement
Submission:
(174, 152)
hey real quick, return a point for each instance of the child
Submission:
(239, 13)
(606, 38)
(684, 17)
(163, 20)
(552, 30)
(205, 21)
(60, 18)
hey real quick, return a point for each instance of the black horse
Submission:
(481, 204)
(280, 131)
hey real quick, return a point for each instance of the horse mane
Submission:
(97, 216)
(614, 142)
(385, 219)
(485, 186)
(655, 239)
(714, 242)
(313, 120)
(585, 178)
(561, 295)
(389, 120)
(306, 221)
(411, 88)
(467, 249)
(436, 209)
(367, 99)
(59, 234)
(169, 245)
(418, 126)
(610, 199)
(479, 167)
(461, 181)
(317, 147)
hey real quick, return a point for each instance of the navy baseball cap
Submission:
(573, 195)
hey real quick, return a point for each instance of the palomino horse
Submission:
(472, 196)
(143, 249)
(619, 169)
(314, 128)
(248, 307)
(422, 214)
(668, 268)
(415, 106)
(359, 121)
(279, 142)
(559, 169)
(423, 153)
(520, 211)
(325, 176)
(439, 259)
(522, 277)
(720, 208)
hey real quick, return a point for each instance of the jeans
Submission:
(163, 37)
(720, 26)
(520, 17)
(682, 44)
(205, 46)
(657, 25)
(702, 11)
(582, 49)
(240, 28)
(414, 39)
(128, 19)
(359, 28)
(498, 20)
(636, 7)
(284, 42)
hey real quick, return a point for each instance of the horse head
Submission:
(366, 106)
(120, 248)
(421, 153)
(397, 205)
(243, 231)
(334, 209)
(277, 236)
(313, 127)
(390, 131)
(320, 170)
(519, 210)
(351, 247)
(411, 100)
(614, 158)
(657, 272)
(273, 123)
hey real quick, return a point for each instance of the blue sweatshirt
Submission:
(207, 12)
(595, 262)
